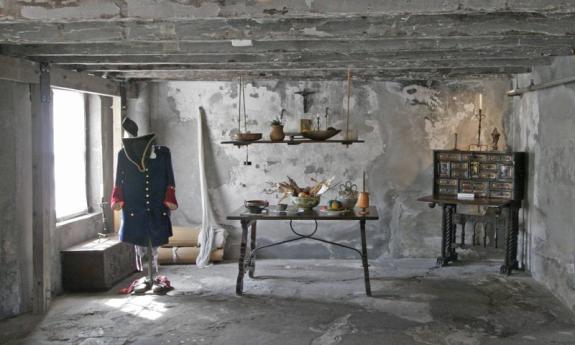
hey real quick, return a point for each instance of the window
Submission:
(69, 153)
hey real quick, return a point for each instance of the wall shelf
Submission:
(293, 138)
(292, 142)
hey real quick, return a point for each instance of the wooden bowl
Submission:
(247, 136)
(256, 206)
(320, 135)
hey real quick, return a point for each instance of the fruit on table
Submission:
(334, 205)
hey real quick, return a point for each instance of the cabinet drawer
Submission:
(506, 171)
(488, 166)
(444, 169)
(488, 175)
(459, 174)
(507, 158)
(502, 185)
(448, 182)
(447, 191)
(459, 166)
(501, 194)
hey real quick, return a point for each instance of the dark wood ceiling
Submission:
(300, 39)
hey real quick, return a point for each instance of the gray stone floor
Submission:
(312, 302)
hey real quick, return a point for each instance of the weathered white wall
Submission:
(15, 198)
(543, 124)
(401, 123)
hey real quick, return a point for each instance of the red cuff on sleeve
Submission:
(170, 199)
(117, 201)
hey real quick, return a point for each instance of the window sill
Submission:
(80, 218)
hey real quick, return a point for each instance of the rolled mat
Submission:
(185, 255)
(184, 237)
(188, 237)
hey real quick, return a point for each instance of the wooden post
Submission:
(44, 218)
(107, 158)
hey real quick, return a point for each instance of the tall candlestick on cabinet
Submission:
(480, 115)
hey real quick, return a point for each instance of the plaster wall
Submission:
(542, 125)
(15, 198)
(401, 124)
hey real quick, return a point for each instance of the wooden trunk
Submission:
(97, 265)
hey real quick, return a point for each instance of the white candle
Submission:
(480, 101)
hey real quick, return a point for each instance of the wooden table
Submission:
(249, 220)
(449, 206)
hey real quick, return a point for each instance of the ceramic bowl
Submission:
(306, 203)
(348, 200)
(256, 206)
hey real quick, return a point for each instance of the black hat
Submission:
(130, 126)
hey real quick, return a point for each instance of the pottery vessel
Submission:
(277, 133)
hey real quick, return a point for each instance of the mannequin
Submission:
(145, 192)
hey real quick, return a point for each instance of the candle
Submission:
(480, 101)
(363, 183)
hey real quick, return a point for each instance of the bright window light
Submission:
(69, 153)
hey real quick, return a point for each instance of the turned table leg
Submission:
(241, 262)
(252, 262)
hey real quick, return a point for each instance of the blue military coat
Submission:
(145, 191)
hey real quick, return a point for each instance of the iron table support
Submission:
(364, 258)
(246, 263)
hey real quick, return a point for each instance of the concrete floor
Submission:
(312, 302)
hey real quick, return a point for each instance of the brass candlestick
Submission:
(480, 115)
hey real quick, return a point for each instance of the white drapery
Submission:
(210, 231)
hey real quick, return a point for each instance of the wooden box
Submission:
(499, 175)
(97, 265)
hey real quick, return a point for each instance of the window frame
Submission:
(88, 209)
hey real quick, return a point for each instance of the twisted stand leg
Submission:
(448, 234)
(512, 228)
(441, 259)
(452, 230)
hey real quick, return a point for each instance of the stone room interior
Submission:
(287, 172)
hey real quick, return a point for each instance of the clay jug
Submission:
(277, 133)
(363, 200)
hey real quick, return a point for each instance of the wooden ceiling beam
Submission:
(470, 24)
(319, 65)
(158, 9)
(323, 74)
(546, 45)
(512, 54)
